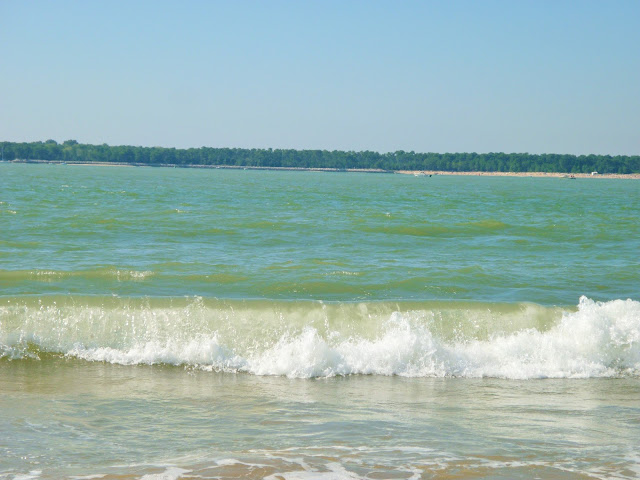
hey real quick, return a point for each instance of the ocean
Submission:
(164, 324)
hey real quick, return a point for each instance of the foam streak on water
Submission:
(304, 340)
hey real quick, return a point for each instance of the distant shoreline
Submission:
(633, 176)
(226, 167)
(417, 173)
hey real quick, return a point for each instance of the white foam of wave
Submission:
(171, 473)
(598, 340)
(32, 475)
(202, 351)
(127, 275)
(335, 472)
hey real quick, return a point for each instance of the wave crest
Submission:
(599, 339)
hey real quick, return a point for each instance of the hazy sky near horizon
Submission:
(429, 76)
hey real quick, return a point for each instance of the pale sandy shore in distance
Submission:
(417, 173)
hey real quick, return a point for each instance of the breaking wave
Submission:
(312, 339)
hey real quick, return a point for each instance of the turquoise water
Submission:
(178, 323)
(324, 236)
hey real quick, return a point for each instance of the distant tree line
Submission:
(72, 151)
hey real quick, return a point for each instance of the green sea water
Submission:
(162, 323)
(308, 235)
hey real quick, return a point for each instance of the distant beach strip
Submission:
(417, 173)
(635, 176)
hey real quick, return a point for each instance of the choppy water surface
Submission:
(173, 323)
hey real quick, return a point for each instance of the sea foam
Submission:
(599, 339)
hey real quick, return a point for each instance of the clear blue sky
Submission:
(429, 76)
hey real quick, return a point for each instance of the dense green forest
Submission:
(72, 151)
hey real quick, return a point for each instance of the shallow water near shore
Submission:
(127, 422)
(169, 323)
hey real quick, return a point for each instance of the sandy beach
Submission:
(417, 173)
(635, 176)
